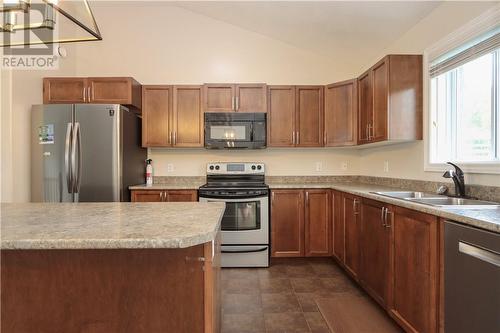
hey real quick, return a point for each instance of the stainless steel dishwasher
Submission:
(472, 279)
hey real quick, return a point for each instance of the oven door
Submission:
(245, 220)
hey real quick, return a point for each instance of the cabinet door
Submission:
(181, 195)
(318, 224)
(375, 239)
(212, 279)
(281, 116)
(111, 90)
(309, 102)
(350, 208)
(413, 301)
(147, 196)
(380, 101)
(156, 109)
(341, 114)
(338, 226)
(187, 117)
(365, 107)
(64, 90)
(219, 97)
(287, 223)
(251, 98)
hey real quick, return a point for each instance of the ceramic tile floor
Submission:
(281, 298)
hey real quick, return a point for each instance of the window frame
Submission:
(480, 25)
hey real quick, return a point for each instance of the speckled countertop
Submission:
(108, 225)
(488, 219)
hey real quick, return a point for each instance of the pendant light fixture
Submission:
(31, 22)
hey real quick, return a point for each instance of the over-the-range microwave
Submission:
(232, 130)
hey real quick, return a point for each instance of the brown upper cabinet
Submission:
(309, 129)
(341, 109)
(235, 97)
(187, 120)
(172, 116)
(295, 116)
(390, 100)
(97, 90)
(156, 116)
(281, 116)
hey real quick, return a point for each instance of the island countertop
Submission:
(108, 225)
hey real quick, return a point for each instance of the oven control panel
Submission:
(228, 168)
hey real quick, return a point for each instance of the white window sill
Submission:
(481, 168)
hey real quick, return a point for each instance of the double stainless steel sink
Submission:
(440, 200)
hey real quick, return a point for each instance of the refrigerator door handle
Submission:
(67, 167)
(76, 141)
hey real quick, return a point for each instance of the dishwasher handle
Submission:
(480, 253)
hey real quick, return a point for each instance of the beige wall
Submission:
(6, 135)
(407, 160)
(174, 45)
(24, 90)
(157, 43)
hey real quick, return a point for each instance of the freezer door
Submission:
(51, 130)
(97, 153)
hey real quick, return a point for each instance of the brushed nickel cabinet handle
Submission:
(170, 137)
(233, 103)
(237, 102)
(175, 137)
(354, 206)
(84, 94)
(383, 216)
(293, 137)
(387, 223)
(298, 140)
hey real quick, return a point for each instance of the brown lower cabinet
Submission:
(413, 300)
(350, 206)
(112, 290)
(164, 195)
(300, 223)
(375, 245)
(393, 253)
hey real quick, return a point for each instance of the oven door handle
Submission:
(233, 196)
(245, 251)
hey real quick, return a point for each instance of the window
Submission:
(465, 103)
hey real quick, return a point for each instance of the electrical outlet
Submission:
(319, 166)
(343, 166)
(386, 166)
(170, 167)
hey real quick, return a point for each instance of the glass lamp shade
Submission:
(26, 22)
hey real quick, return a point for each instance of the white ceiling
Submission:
(350, 31)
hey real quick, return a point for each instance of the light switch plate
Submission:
(170, 167)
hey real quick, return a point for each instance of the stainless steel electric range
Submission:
(245, 224)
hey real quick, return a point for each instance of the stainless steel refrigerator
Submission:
(85, 153)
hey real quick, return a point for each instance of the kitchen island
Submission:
(110, 267)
